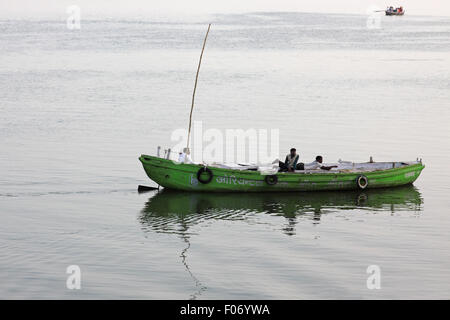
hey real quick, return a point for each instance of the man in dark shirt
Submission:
(290, 163)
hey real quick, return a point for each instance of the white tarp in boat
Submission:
(234, 166)
(346, 166)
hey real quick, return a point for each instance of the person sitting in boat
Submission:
(183, 157)
(317, 164)
(290, 163)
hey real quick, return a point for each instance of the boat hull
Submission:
(179, 176)
(395, 13)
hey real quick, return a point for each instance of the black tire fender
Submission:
(203, 170)
(271, 180)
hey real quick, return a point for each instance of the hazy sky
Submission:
(108, 8)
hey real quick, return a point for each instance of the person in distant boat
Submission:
(317, 164)
(183, 157)
(290, 163)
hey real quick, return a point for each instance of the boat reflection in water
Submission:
(175, 212)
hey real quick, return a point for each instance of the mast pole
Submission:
(195, 88)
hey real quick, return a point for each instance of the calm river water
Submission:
(79, 106)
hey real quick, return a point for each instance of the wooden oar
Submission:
(146, 188)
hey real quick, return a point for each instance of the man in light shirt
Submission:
(317, 164)
(184, 157)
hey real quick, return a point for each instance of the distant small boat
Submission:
(395, 12)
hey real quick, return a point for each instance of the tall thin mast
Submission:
(195, 87)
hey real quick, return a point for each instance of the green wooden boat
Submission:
(198, 177)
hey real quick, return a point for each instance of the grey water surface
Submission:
(79, 106)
